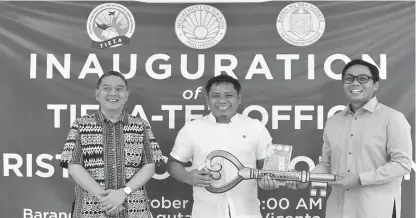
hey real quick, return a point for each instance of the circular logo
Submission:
(200, 26)
(110, 25)
(300, 24)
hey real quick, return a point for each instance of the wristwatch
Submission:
(127, 190)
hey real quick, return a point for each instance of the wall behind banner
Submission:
(50, 70)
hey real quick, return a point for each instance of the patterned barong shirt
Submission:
(112, 153)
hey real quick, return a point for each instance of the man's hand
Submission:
(296, 185)
(102, 194)
(267, 183)
(115, 210)
(113, 201)
(200, 178)
(346, 180)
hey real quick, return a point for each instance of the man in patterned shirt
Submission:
(111, 155)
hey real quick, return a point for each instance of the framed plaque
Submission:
(278, 157)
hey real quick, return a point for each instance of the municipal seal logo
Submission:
(300, 24)
(110, 25)
(200, 26)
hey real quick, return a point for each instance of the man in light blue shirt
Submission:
(369, 145)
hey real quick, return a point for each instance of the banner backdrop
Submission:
(287, 55)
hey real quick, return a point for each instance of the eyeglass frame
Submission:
(356, 78)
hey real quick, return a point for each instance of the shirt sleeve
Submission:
(324, 165)
(263, 140)
(72, 152)
(399, 148)
(151, 152)
(182, 149)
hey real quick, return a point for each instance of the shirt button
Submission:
(352, 134)
(348, 170)
(349, 153)
(348, 189)
(356, 118)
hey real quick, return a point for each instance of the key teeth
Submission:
(322, 193)
(319, 185)
(313, 192)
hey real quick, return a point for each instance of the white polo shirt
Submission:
(246, 139)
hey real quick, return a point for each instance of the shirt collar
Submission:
(235, 118)
(101, 118)
(370, 106)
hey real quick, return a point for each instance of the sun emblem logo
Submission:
(110, 25)
(300, 24)
(200, 26)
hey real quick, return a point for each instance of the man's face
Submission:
(112, 93)
(223, 101)
(359, 93)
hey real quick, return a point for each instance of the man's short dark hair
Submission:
(373, 69)
(111, 73)
(223, 79)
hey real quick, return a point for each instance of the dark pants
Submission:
(394, 210)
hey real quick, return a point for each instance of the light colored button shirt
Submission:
(246, 139)
(375, 142)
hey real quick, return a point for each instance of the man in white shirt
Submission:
(222, 129)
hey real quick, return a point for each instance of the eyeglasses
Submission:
(362, 78)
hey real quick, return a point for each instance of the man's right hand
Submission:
(296, 185)
(200, 178)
